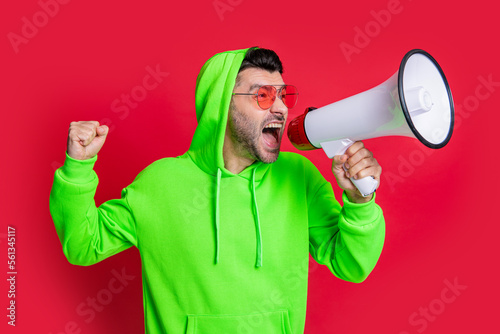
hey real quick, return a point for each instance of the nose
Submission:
(279, 107)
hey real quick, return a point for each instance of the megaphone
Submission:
(415, 102)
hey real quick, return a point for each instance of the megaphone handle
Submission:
(366, 185)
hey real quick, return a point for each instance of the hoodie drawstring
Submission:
(257, 223)
(258, 262)
(217, 215)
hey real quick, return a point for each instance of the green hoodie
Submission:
(220, 252)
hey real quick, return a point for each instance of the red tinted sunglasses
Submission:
(266, 95)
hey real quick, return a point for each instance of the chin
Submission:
(265, 154)
(269, 157)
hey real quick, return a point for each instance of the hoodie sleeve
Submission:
(348, 239)
(88, 234)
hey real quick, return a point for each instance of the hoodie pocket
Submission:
(275, 322)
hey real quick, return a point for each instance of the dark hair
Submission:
(262, 58)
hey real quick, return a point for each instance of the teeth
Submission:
(273, 125)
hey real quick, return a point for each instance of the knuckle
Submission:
(354, 170)
(354, 160)
(362, 174)
(73, 126)
(87, 128)
(365, 152)
(362, 164)
(351, 150)
(356, 147)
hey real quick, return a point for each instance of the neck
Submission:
(234, 160)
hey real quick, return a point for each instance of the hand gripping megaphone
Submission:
(415, 102)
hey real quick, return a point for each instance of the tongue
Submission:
(270, 138)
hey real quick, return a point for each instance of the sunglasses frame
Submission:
(277, 92)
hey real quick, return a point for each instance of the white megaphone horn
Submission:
(415, 102)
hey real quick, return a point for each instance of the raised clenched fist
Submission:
(85, 139)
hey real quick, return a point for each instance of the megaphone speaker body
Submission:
(414, 102)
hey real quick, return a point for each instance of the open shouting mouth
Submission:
(272, 134)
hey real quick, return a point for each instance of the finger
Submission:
(102, 130)
(373, 172)
(91, 126)
(366, 167)
(351, 150)
(358, 156)
(88, 123)
(83, 138)
(82, 135)
(339, 160)
(99, 140)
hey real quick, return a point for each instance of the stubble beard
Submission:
(246, 134)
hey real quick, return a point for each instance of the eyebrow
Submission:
(255, 85)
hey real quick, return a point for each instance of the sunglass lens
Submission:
(289, 95)
(266, 97)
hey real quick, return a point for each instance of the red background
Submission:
(439, 210)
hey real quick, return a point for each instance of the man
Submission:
(225, 230)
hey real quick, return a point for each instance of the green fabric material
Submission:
(78, 171)
(220, 252)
